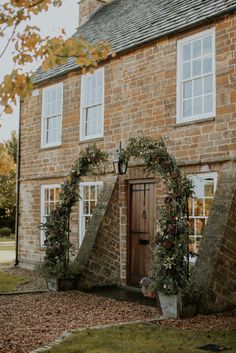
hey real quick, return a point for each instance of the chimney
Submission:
(87, 8)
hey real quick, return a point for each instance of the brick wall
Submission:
(140, 98)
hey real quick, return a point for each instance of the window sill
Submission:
(42, 148)
(95, 139)
(198, 121)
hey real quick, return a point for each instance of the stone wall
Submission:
(99, 254)
(213, 282)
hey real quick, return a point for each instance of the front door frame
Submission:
(129, 183)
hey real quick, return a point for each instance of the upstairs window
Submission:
(199, 207)
(49, 201)
(52, 115)
(196, 77)
(92, 105)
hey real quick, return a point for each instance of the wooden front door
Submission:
(141, 229)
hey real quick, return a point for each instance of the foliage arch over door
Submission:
(169, 272)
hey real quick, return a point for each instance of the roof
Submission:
(129, 23)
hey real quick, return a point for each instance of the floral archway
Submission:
(169, 271)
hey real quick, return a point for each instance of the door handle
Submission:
(143, 241)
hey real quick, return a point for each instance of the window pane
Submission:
(99, 93)
(46, 194)
(198, 207)
(208, 104)
(51, 195)
(99, 119)
(49, 136)
(191, 226)
(186, 53)
(93, 81)
(209, 188)
(86, 220)
(92, 206)
(190, 206)
(85, 192)
(197, 67)
(187, 89)
(200, 226)
(86, 207)
(207, 65)
(208, 205)
(197, 105)
(186, 70)
(208, 84)
(92, 192)
(99, 79)
(56, 194)
(197, 50)
(207, 45)
(46, 209)
(187, 108)
(197, 87)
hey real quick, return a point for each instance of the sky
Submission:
(50, 23)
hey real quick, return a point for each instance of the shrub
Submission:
(5, 232)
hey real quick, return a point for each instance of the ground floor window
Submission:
(89, 192)
(49, 200)
(199, 207)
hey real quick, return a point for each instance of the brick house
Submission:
(174, 76)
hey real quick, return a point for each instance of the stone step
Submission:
(125, 293)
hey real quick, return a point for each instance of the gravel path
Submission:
(30, 321)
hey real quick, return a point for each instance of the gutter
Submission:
(121, 51)
(18, 188)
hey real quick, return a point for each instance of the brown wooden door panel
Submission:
(141, 230)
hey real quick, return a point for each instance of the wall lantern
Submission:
(120, 166)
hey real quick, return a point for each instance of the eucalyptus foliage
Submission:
(57, 261)
(169, 271)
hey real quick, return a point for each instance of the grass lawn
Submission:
(8, 282)
(143, 338)
(7, 247)
(7, 239)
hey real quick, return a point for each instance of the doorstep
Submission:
(122, 293)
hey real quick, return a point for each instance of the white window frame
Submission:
(44, 118)
(179, 94)
(83, 137)
(81, 223)
(42, 208)
(204, 176)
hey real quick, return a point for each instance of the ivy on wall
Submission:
(56, 262)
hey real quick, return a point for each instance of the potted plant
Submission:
(145, 283)
(169, 272)
(57, 266)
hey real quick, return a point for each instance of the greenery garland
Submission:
(169, 271)
(57, 262)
